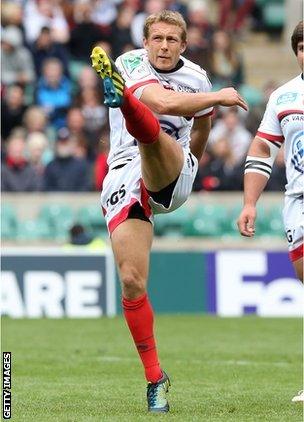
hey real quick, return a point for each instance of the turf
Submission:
(243, 369)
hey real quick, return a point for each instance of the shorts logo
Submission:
(298, 152)
(116, 196)
(289, 97)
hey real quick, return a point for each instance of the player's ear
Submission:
(145, 42)
(183, 46)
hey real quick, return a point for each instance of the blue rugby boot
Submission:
(156, 395)
(113, 82)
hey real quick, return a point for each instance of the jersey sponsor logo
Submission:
(288, 97)
(134, 66)
(117, 196)
(298, 152)
(180, 88)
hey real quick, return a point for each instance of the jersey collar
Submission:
(179, 64)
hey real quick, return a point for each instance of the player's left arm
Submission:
(199, 135)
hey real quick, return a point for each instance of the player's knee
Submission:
(133, 284)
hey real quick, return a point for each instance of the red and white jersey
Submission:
(283, 122)
(138, 73)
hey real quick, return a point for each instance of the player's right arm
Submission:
(254, 184)
(164, 101)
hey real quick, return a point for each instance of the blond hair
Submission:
(167, 16)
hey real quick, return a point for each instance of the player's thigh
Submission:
(293, 221)
(298, 266)
(131, 244)
(161, 162)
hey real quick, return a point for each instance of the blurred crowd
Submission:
(54, 126)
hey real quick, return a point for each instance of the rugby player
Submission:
(160, 117)
(282, 123)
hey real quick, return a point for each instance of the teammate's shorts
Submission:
(123, 187)
(293, 215)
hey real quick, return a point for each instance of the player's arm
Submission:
(164, 101)
(199, 135)
(258, 167)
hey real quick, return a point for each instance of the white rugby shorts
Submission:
(293, 215)
(124, 186)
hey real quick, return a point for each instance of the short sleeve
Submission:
(205, 86)
(136, 72)
(270, 125)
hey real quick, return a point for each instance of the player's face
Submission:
(164, 45)
(300, 54)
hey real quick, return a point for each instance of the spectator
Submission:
(197, 48)
(44, 48)
(176, 6)
(13, 109)
(79, 237)
(17, 174)
(76, 126)
(255, 114)
(35, 120)
(198, 17)
(85, 32)
(66, 173)
(233, 14)
(54, 92)
(38, 154)
(230, 128)
(219, 171)
(95, 115)
(137, 24)
(16, 65)
(121, 33)
(87, 79)
(104, 13)
(45, 13)
(226, 63)
(11, 14)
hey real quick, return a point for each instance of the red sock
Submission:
(139, 316)
(140, 121)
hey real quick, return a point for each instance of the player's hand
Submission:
(246, 221)
(230, 97)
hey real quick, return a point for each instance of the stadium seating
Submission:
(172, 224)
(53, 222)
(91, 217)
(58, 217)
(8, 222)
(207, 221)
(274, 14)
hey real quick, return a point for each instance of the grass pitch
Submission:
(243, 369)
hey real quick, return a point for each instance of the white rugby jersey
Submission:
(283, 122)
(138, 73)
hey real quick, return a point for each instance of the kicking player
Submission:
(282, 124)
(152, 164)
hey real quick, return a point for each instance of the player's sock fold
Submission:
(140, 121)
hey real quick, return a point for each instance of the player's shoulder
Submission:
(134, 64)
(194, 69)
(287, 92)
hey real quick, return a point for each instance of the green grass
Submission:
(243, 369)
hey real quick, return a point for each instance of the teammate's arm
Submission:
(257, 172)
(164, 101)
(199, 135)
